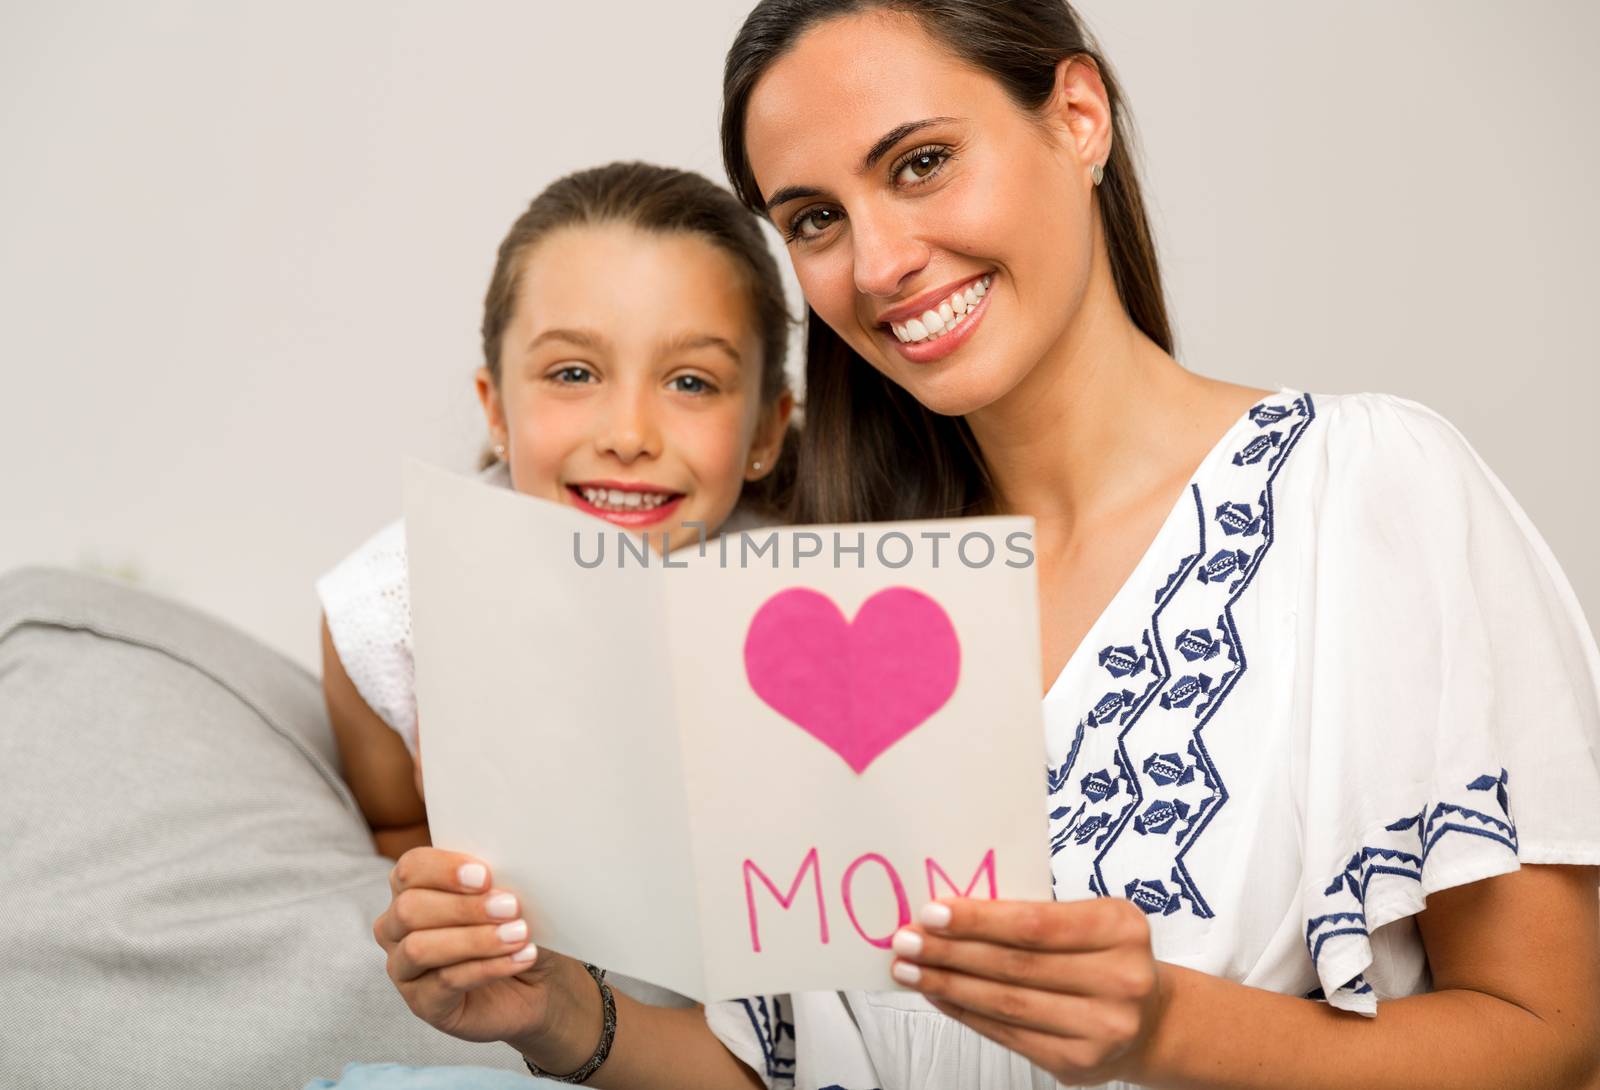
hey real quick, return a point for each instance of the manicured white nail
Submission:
(472, 875)
(906, 943)
(502, 906)
(515, 931)
(905, 972)
(934, 914)
(527, 953)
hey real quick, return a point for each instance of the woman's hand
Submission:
(459, 951)
(1072, 986)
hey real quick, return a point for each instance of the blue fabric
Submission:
(356, 1076)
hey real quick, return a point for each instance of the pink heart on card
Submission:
(858, 688)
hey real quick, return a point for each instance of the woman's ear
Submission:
(770, 430)
(1079, 111)
(494, 413)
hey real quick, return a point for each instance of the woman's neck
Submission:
(1094, 427)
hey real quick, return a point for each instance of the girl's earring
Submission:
(756, 466)
(1098, 173)
(500, 451)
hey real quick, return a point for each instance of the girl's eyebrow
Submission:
(597, 342)
(583, 338)
(686, 342)
(879, 149)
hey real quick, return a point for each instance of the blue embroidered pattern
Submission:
(1404, 858)
(774, 1033)
(1156, 775)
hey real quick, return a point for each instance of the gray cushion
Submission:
(188, 888)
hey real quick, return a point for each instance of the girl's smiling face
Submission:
(918, 199)
(631, 380)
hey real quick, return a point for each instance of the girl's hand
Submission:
(1072, 986)
(459, 951)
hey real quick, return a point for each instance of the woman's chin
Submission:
(956, 392)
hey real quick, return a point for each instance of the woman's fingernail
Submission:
(502, 906)
(527, 953)
(906, 943)
(934, 914)
(515, 931)
(472, 875)
(905, 972)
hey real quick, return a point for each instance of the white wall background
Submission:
(243, 247)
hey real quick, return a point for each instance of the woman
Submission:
(1314, 687)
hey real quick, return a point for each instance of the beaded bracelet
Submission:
(608, 1032)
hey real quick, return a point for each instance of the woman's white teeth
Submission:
(615, 499)
(949, 314)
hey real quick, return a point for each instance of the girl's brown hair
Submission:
(666, 200)
(870, 450)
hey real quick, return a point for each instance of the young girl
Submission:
(634, 335)
(1322, 715)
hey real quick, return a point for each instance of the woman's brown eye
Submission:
(812, 223)
(921, 166)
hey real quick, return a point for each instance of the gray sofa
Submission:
(187, 888)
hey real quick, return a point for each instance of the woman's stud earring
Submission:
(500, 451)
(756, 466)
(1098, 173)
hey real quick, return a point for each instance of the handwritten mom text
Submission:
(869, 867)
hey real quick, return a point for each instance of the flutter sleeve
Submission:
(366, 599)
(759, 1031)
(1451, 693)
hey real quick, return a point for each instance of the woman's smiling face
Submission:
(942, 231)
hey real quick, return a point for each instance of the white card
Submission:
(736, 769)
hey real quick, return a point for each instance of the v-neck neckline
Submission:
(1156, 552)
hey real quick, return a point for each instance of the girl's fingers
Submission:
(434, 868)
(1081, 926)
(422, 952)
(1109, 974)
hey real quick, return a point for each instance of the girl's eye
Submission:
(691, 384)
(571, 375)
(921, 165)
(811, 223)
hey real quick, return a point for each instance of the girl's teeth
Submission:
(938, 323)
(614, 499)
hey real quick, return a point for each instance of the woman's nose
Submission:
(886, 254)
(630, 429)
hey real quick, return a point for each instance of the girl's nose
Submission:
(885, 253)
(630, 428)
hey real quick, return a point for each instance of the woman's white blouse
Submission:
(1346, 674)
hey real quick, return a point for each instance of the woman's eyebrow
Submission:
(878, 150)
